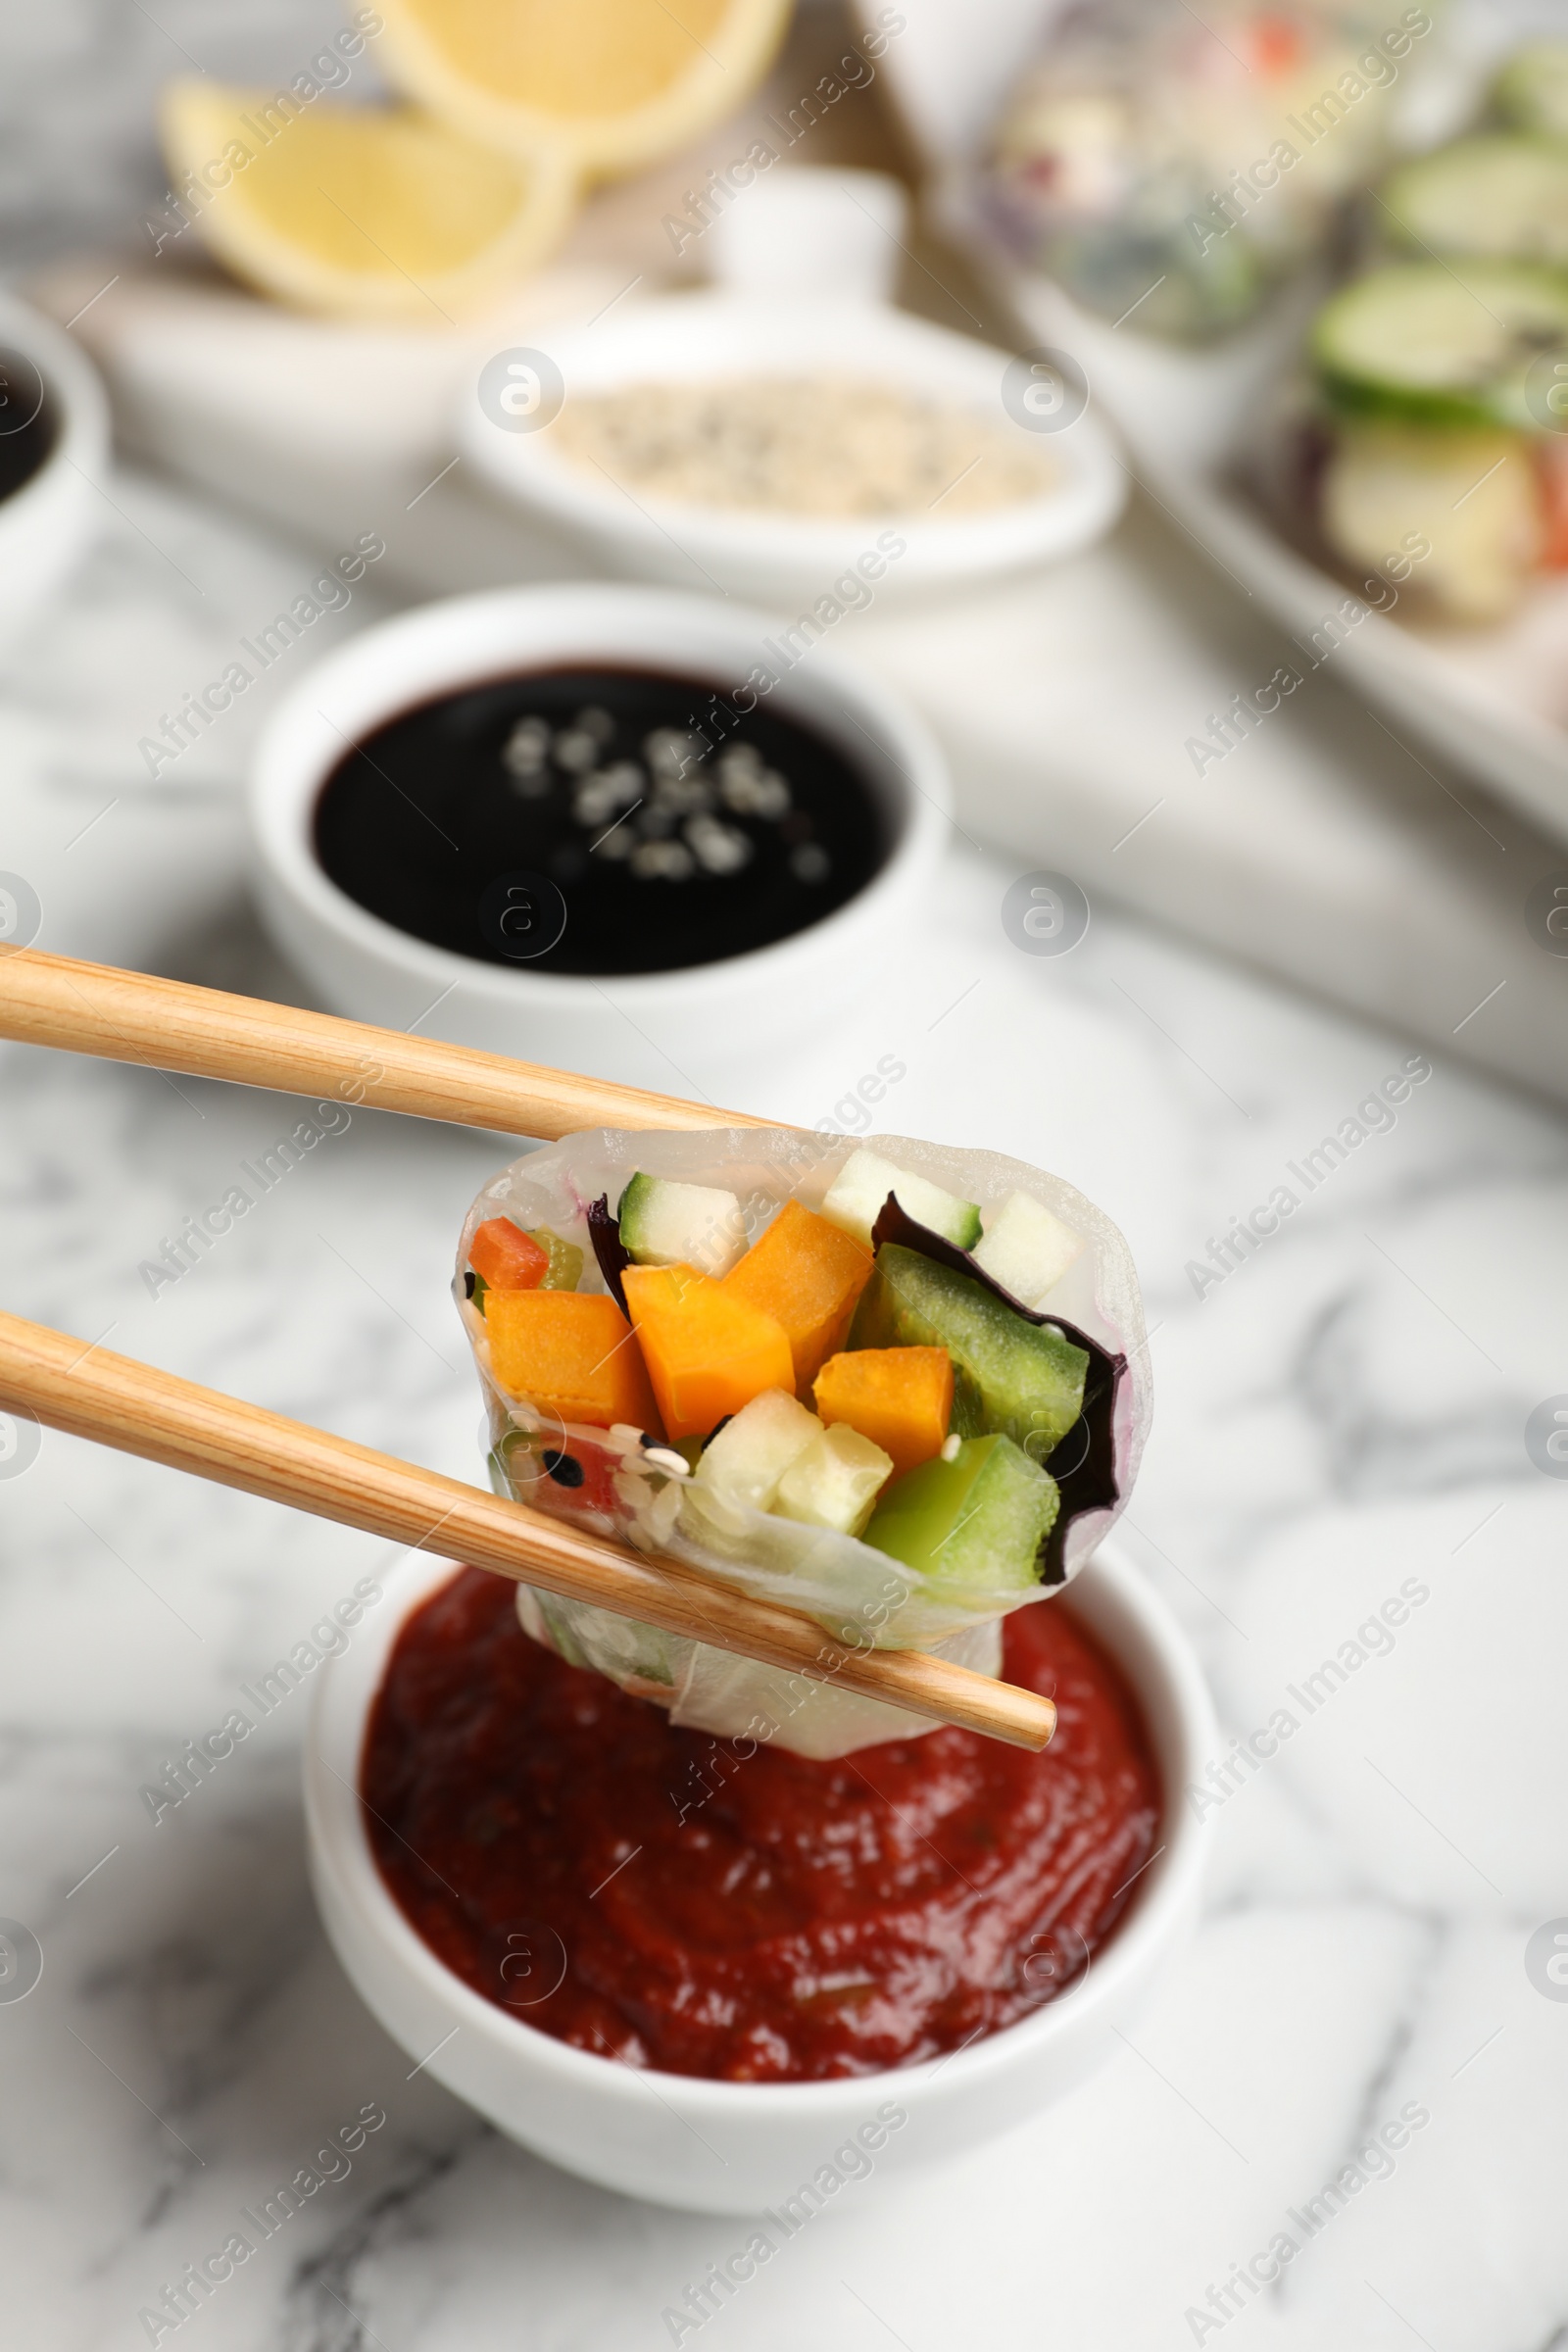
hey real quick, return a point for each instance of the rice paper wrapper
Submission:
(857, 1594)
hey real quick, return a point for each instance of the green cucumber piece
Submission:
(859, 1191)
(564, 1270)
(1532, 90)
(834, 1481)
(1027, 1249)
(751, 1453)
(1471, 497)
(1424, 343)
(1024, 1378)
(978, 1522)
(1499, 197)
(667, 1224)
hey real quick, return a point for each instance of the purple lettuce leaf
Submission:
(604, 1231)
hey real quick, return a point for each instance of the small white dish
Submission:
(735, 2147)
(46, 523)
(779, 558)
(720, 1012)
(813, 233)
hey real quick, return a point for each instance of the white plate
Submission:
(1493, 699)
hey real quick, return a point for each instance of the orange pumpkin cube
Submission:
(707, 1352)
(900, 1397)
(808, 1275)
(507, 1258)
(571, 1352)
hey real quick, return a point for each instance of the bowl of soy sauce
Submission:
(615, 828)
(54, 453)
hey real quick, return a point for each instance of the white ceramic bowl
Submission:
(719, 1013)
(777, 559)
(46, 523)
(734, 2148)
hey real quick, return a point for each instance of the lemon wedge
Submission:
(620, 82)
(367, 213)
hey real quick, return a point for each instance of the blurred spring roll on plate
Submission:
(899, 1388)
(1170, 167)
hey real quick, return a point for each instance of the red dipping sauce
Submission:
(711, 1907)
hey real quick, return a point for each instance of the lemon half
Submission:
(620, 82)
(369, 213)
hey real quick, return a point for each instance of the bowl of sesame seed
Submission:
(610, 827)
(759, 447)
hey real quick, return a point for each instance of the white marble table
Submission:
(1339, 1417)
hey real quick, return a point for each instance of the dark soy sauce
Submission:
(675, 831)
(28, 426)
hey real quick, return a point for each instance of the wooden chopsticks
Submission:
(168, 1025)
(74, 1386)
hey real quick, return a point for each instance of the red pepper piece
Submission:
(508, 1258)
